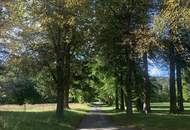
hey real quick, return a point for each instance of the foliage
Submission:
(24, 91)
(92, 49)
(186, 89)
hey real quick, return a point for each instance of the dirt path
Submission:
(96, 120)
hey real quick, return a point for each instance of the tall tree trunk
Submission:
(60, 75)
(59, 47)
(139, 102)
(60, 87)
(66, 96)
(139, 105)
(173, 108)
(146, 105)
(122, 106)
(179, 88)
(128, 95)
(116, 97)
(60, 102)
(67, 77)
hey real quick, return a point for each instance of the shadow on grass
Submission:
(159, 119)
(153, 121)
(40, 120)
(161, 107)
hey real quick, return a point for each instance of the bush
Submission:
(24, 92)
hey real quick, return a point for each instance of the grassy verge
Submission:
(36, 118)
(159, 119)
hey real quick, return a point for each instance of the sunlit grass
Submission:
(37, 107)
(40, 117)
(159, 119)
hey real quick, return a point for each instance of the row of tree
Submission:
(98, 46)
(130, 38)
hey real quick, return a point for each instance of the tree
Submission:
(57, 25)
(173, 108)
(179, 87)
(146, 85)
(125, 18)
(172, 17)
(24, 91)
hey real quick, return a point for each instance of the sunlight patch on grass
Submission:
(38, 107)
(159, 119)
(36, 118)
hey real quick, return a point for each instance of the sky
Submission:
(158, 69)
(158, 72)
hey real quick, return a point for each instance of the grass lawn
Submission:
(40, 117)
(159, 119)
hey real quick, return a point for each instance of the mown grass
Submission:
(159, 119)
(40, 117)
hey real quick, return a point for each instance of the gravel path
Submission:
(96, 120)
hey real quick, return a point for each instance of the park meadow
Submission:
(94, 64)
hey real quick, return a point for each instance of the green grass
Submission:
(41, 119)
(159, 119)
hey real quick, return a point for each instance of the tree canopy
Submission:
(81, 51)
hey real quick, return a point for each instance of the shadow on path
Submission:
(98, 120)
